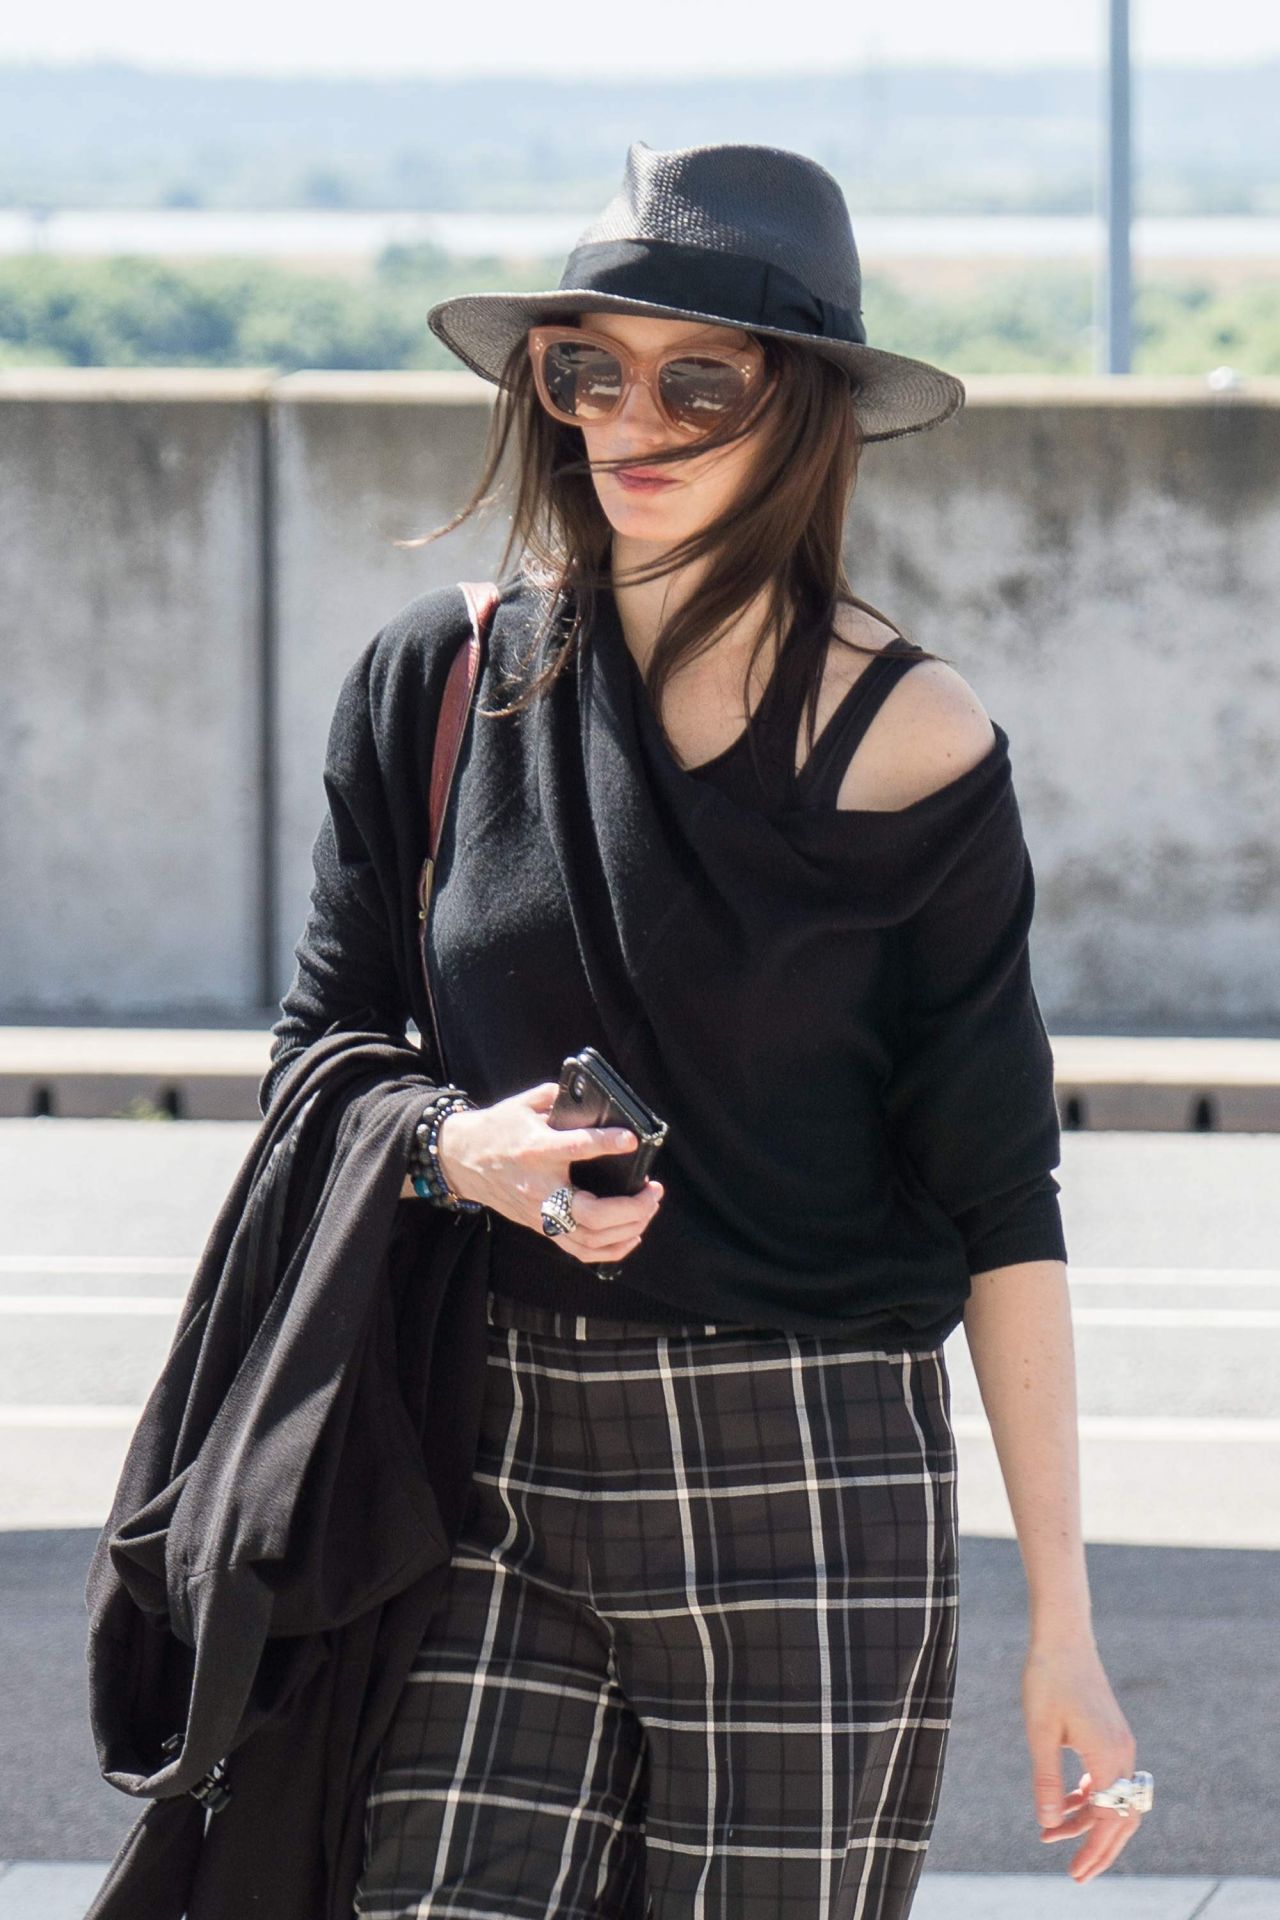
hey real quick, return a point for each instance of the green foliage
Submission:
(141, 1107)
(1029, 320)
(133, 311)
(1187, 327)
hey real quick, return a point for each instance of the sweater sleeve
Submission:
(970, 1099)
(346, 973)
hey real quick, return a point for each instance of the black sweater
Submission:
(832, 1009)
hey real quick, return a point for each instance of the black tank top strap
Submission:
(819, 780)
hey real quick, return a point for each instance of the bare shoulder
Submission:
(929, 730)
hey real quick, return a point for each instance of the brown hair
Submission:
(781, 535)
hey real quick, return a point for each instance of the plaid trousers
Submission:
(695, 1654)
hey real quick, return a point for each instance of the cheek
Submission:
(719, 475)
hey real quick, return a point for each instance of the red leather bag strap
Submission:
(482, 599)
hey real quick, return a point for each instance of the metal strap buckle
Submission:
(213, 1789)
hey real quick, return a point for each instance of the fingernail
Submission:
(625, 1139)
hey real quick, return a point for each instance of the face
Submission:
(698, 489)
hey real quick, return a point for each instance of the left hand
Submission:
(1067, 1702)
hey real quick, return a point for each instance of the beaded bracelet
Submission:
(425, 1172)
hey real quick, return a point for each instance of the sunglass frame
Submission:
(643, 368)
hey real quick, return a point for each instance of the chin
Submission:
(646, 518)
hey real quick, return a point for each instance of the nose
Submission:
(639, 408)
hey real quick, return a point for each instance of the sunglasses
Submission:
(584, 377)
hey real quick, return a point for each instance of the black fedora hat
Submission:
(738, 235)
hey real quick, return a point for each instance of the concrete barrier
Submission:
(193, 559)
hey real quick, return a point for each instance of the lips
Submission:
(641, 477)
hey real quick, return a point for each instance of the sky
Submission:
(667, 38)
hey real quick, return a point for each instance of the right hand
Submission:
(507, 1157)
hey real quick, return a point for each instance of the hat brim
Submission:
(895, 394)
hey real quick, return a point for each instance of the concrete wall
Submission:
(131, 624)
(189, 562)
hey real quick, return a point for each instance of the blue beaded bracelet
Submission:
(425, 1172)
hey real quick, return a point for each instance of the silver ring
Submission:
(557, 1212)
(1126, 1796)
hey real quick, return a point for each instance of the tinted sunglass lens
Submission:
(582, 379)
(701, 392)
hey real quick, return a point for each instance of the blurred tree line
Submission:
(135, 311)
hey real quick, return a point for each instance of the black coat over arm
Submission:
(287, 1507)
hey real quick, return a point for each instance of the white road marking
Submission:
(98, 1263)
(83, 1303)
(81, 1416)
(1141, 1276)
(1238, 1319)
(1166, 1317)
(1206, 1428)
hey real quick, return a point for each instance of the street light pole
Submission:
(1115, 293)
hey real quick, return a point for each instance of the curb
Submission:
(1104, 1082)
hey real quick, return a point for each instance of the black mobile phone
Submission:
(591, 1093)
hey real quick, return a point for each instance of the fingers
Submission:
(613, 1249)
(1046, 1778)
(609, 1226)
(540, 1097)
(1109, 1831)
(1105, 1831)
(615, 1213)
(577, 1143)
(587, 1143)
(1073, 1813)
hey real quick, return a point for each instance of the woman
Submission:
(696, 1654)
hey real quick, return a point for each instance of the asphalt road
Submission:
(1175, 1244)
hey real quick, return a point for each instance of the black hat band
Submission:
(744, 291)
